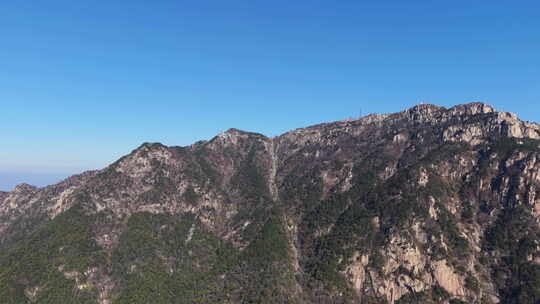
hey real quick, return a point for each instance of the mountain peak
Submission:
(235, 131)
(422, 112)
(234, 136)
(24, 187)
(426, 111)
(473, 108)
(151, 146)
(426, 106)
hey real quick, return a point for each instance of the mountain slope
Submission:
(428, 205)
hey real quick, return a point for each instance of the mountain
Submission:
(428, 205)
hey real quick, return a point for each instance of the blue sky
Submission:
(85, 82)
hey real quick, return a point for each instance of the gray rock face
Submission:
(415, 206)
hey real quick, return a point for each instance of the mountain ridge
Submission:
(467, 108)
(415, 206)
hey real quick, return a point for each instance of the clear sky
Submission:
(85, 82)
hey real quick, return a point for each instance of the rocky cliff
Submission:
(428, 205)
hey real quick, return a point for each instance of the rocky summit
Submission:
(428, 205)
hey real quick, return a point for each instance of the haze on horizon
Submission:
(85, 83)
